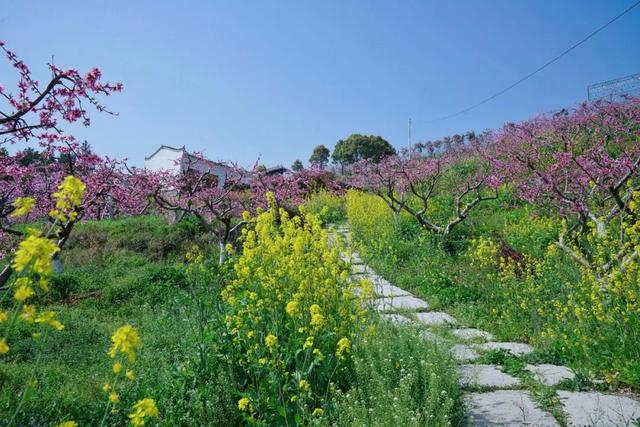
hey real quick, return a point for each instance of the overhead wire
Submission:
(537, 70)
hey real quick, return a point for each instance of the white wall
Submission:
(221, 172)
(165, 159)
(173, 161)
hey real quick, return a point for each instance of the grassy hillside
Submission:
(134, 271)
(128, 271)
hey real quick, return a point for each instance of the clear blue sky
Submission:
(239, 79)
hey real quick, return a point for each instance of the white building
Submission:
(178, 160)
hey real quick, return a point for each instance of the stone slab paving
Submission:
(463, 353)
(360, 269)
(387, 290)
(599, 409)
(506, 408)
(550, 375)
(407, 302)
(382, 287)
(353, 259)
(517, 348)
(435, 318)
(398, 319)
(471, 333)
(485, 376)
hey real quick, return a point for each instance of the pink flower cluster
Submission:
(574, 161)
(34, 107)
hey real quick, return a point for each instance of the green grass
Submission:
(401, 380)
(330, 208)
(120, 272)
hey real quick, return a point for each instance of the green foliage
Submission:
(129, 277)
(358, 147)
(511, 364)
(297, 166)
(328, 207)
(400, 380)
(320, 156)
(99, 242)
(502, 271)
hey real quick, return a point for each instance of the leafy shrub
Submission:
(168, 275)
(62, 286)
(148, 237)
(326, 206)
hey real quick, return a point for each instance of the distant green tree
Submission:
(3, 152)
(359, 147)
(297, 166)
(320, 156)
(29, 156)
(261, 168)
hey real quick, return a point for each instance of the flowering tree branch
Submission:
(427, 176)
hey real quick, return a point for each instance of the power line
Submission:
(536, 71)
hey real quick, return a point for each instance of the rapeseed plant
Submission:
(143, 409)
(32, 264)
(23, 206)
(125, 343)
(291, 316)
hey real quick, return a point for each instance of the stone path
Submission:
(494, 398)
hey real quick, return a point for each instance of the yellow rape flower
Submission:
(317, 320)
(271, 199)
(142, 409)
(292, 308)
(23, 289)
(318, 354)
(68, 424)
(28, 313)
(4, 348)
(343, 346)
(106, 387)
(315, 309)
(44, 285)
(49, 318)
(3, 316)
(70, 193)
(37, 251)
(317, 412)
(244, 404)
(271, 341)
(308, 343)
(125, 340)
(130, 375)
(114, 398)
(229, 249)
(304, 385)
(117, 368)
(23, 205)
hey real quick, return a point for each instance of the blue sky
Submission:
(242, 79)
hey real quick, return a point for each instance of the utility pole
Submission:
(409, 135)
